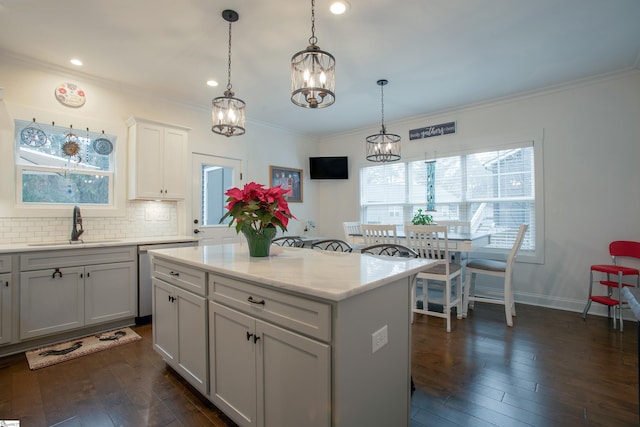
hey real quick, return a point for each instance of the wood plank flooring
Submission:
(551, 369)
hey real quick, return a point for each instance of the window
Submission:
(493, 190)
(56, 165)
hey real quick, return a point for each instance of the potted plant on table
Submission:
(422, 218)
(257, 211)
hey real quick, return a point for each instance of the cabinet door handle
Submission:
(249, 335)
(6, 283)
(81, 275)
(253, 301)
(171, 298)
(174, 274)
(53, 276)
(255, 338)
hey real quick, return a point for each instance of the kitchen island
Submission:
(303, 337)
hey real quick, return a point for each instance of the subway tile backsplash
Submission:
(142, 219)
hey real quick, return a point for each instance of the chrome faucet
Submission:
(76, 229)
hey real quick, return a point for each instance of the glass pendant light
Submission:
(383, 147)
(228, 113)
(313, 74)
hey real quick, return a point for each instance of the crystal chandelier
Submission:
(313, 73)
(383, 147)
(228, 113)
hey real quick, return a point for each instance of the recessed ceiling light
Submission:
(339, 7)
(76, 61)
(212, 83)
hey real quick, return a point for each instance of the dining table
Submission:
(458, 243)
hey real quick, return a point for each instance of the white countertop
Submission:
(97, 243)
(325, 274)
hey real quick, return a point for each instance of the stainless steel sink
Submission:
(69, 243)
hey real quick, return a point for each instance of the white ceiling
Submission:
(436, 54)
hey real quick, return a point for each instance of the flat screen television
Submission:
(328, 167)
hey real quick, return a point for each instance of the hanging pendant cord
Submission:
(382, 107)
(229, 69)
(313, 40)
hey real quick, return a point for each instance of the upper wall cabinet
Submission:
(157, 157)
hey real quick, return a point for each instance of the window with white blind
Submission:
(493, 190)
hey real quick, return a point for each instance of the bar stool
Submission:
(617, 249)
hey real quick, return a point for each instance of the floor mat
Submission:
(61, 352)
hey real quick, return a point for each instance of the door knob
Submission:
(195, 221)
(196, 231)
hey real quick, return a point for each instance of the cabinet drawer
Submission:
(181, 275)
(5, 263)
(311, 318)
(76, 257)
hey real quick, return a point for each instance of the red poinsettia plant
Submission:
(257, 207)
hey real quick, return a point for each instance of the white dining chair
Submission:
(494, 268)
(352, 232)
(432, 242)
(379, 233)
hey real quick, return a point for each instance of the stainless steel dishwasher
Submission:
(144, 277)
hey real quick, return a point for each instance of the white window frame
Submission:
(10, 174)
(534, 139)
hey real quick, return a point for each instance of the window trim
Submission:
(9, 168)
(509, 141)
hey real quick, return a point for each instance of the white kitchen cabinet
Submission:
(180, 323)
(109, 292)
(157, 160)
(5, 299)
(70, 289)
(257, 369)
(305, 338)
(51, 301)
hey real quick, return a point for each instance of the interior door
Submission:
(212, 177)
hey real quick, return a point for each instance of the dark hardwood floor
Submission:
(550, 369)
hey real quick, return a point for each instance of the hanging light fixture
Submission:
(383, 147)
(313, 73)
(228, 113)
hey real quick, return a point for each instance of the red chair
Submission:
(618, 249)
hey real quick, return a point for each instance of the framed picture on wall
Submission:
(289, 179)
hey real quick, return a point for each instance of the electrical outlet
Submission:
(379, 339)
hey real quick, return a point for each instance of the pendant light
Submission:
(228, 113)
(383, 147)
(313, 73)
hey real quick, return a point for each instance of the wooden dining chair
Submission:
(291, 241)
(432, 242)
(494, 268)
(335, 245)
(619, 250)
(379, 233)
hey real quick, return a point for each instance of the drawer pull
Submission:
(174, 274)
(53, 276)
(253, 301)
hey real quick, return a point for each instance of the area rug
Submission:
(61, 352)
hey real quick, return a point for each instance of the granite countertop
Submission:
(329, 275)
(89, 243)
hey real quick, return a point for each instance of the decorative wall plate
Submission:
(33, 136)
(70, 95)
(70, 148)
(102, 146)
